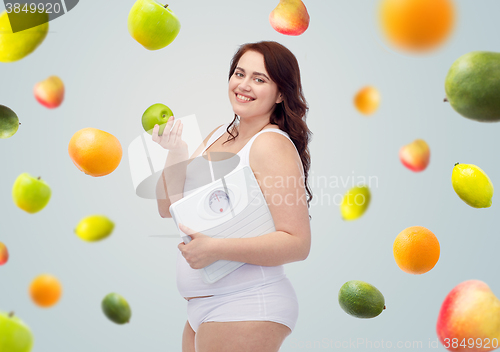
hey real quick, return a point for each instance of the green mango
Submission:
(15, 46)
(473, 86)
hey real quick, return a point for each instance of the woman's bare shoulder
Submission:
(273, 150)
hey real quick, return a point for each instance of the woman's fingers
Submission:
(156, 138)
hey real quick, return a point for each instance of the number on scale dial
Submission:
(219, 202)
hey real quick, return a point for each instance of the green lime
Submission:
(472, 185)
(116, 308)
(360, 299)
(94, 228)
(355, 202)
(9, 122)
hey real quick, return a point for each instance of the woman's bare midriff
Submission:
(188, 298)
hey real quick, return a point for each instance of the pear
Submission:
(470, 316)
(15, 46)
(290, 17)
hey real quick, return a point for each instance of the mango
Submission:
(473, 86)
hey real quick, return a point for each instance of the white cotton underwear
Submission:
(276, 302)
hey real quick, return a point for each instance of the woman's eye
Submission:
(239, 74)
(259, 80)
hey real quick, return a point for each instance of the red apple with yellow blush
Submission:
(469, 319)
(416, 155)
(50, 92)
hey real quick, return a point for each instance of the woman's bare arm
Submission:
(173, 177)
(278, 169)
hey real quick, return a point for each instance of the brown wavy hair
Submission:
(290, 114)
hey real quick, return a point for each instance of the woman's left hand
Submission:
(200, 251)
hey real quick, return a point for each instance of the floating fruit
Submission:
(45, 290)
(416, 250)
(469, 318)
(15, 46)
(361, 299)
(94, 228)
(50, 92)
(4, 254)
(416, 155)
(355, 202)
(95, 152)
(153, 25)
(116, 308)
(290, 17)
(9, 122)
(417, 25)
(30, 194)
(367, 100)
(15, 335)
(472, 86)
(472, 185)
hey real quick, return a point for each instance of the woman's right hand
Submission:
(171, 138)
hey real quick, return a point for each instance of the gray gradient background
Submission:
(110, 80)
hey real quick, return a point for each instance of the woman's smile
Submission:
(243, 98)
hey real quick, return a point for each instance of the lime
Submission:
(94, 228)
(472, 185)
(355, 202)
(9, 122)
(360, 299)
(116, 308)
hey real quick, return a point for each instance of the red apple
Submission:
(469, 319)
(4, 254)
(50, 92)
(416, 155)
(290, 17)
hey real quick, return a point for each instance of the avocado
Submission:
(360, 299)
(473, 86)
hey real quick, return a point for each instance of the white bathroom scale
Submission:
(230, 207)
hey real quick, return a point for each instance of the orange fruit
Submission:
(95, 152)
(417, 25)
(45, 290)
(416, 250)
(367, 100)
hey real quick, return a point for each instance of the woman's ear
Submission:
(280, 99)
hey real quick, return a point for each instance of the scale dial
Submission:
(219, 201)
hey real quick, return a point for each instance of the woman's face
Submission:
(251, 91)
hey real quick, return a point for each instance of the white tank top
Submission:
(189, 281)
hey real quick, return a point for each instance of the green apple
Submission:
(15, 46)
(156, 114)
(153, 25)
(9, 122)
(30, 194)
(15, 335)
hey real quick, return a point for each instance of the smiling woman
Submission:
(254, 308)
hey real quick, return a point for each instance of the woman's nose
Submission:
(244, 85)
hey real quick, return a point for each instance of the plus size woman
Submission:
(254, 308)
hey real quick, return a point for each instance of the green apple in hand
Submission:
(30, 194)
(9, 122)
(152, 24)
(156, 114)
(15, 336)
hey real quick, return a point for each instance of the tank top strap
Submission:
(245, 151)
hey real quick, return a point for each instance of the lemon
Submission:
(361, 299)
(472, 185)
(94, 228)
(355, 202)
(116, 308)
